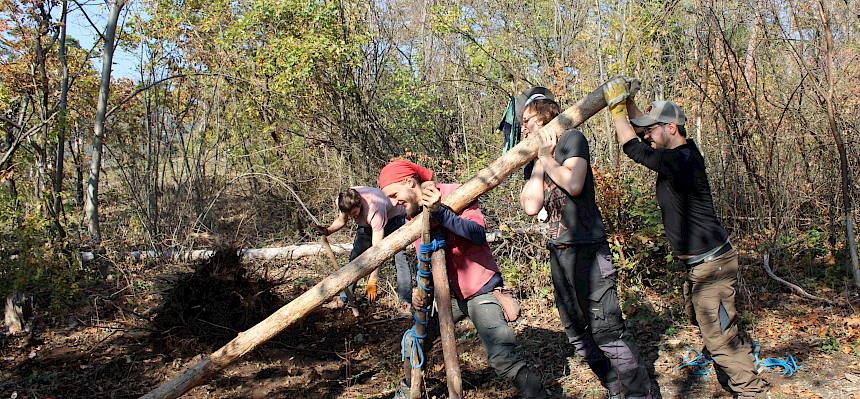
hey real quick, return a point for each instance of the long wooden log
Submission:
(271, 253)
(416, 379)
(446, 325)
(250, 254)
(350, 296)
(486, 179)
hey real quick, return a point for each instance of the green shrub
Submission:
(33, 261)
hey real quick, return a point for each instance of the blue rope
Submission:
(416, 348)
(426, 311)
(700, 364)
(427, 274)
(425, 251)
(789, 365)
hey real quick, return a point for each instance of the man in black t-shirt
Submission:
(693, 230)
(583, 276)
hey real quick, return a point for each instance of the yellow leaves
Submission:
(5, 175)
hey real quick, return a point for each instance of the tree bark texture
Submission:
(91, 208)
(61, 130)
(446, 325)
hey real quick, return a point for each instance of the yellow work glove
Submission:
(371, 290)
(615, 94)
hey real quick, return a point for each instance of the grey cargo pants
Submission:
(584, 280)
(497, 336)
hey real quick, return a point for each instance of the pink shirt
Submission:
(376, 208)
(470, 266)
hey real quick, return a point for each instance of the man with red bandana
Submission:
(473, 275)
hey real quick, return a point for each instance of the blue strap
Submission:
(426, 274)
(700, 364)
(426, 250)
(416, 348)
(789, 365)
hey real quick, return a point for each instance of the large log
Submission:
(446, 325)
(486, 179)
(245, 255)
(350, 296)
(272, 253)
(416, 386)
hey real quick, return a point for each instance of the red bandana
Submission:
(398, 170)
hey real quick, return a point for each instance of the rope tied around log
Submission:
(425, 252)
(416, 339)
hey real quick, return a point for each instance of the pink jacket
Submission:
(470, 266)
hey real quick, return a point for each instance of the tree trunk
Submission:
(18, 313)
(40, 150)
(151, 173)
(845, 172)
(91, 208)
(61, 131)
(485, 180)
(75, 145)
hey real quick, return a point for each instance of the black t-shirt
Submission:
(684, 196)
(573, 219)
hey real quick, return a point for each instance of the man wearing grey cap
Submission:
(583, 276)
(693, 229)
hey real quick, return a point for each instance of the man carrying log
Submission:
(473, 275)
(583, 276)
(375, 217)
(693, 229)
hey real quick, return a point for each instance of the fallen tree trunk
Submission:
(485, 180)
(272, 253)
(245, 255)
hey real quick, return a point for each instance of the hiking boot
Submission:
(528, 382)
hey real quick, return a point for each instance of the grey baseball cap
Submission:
(661, 112)
(532, 94)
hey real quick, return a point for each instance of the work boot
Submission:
(529, 384)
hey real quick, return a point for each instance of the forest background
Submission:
(227, 106)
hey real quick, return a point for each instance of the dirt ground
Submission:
(116, 346)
